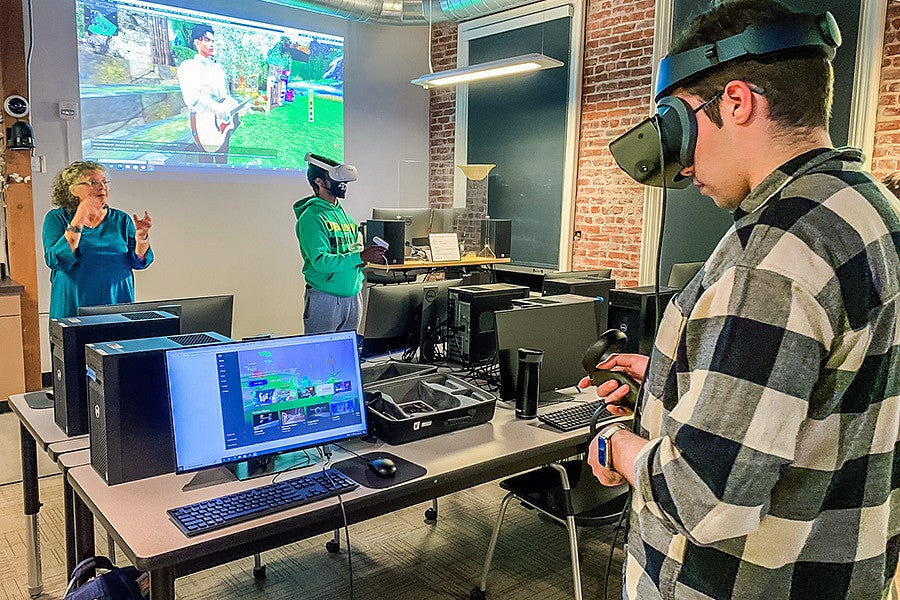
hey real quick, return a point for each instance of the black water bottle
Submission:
(528, 382)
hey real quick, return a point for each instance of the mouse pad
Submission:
(357, 469)
(38, 400)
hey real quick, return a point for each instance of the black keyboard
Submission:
(208, 515)
(567, 419)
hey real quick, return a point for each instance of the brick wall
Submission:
(442, 118)
(886, 154)
(615, 96)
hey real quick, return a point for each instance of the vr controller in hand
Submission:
(611, 342)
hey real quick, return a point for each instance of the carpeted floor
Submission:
(396, 557)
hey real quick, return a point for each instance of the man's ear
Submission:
(739, 102)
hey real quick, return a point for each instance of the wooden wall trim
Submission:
(19, 199)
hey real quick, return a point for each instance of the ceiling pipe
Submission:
(403, 12)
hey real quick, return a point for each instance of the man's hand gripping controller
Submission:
(611, 342)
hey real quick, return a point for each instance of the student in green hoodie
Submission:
(333, 256)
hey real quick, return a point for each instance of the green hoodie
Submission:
(330, 247)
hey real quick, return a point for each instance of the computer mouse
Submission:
(612, 341)
(383, 467)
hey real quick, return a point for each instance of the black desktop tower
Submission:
(393, 232)
(496, 234)
(131, 424)
(470, 315)
(68, 337)
(633, 310)
(601, 306)
(598, 288)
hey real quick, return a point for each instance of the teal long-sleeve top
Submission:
(99, 271)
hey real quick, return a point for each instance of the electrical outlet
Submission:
(38, 164)
(68, 110)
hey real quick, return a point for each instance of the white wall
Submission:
(234, 233)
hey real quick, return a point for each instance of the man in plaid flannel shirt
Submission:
(767, 465)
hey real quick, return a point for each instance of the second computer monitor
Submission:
(563, 327)
(206, 313)
(418, 222)
(392, 319)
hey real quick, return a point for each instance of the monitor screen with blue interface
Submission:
(237, 401)
(165, 88)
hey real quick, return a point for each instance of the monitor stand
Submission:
(552, 397)
(255, 467)
(273, 464)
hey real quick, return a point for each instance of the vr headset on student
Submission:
(656, 150)
(337, 173)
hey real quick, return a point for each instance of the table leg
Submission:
(69, 516)
(84, 529)
(32, 503)
(162, 584)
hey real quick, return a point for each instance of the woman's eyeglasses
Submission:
(96, 184)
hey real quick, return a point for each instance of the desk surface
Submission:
(466, 261)
(40, 423)
(75, 459)
(134, 512)
(81, 443)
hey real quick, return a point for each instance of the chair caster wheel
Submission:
(332, 546)
(259, 574)
(431, 516)
(477, 593)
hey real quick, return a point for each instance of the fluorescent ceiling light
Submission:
(495, 68)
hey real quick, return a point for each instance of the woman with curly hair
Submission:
(91, 248)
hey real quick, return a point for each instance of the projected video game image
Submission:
(166, 88)
(285, 393)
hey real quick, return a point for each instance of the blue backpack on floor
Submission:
(124, 583)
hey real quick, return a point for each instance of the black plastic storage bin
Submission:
(405, 410)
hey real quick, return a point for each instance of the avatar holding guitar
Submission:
(215, 114)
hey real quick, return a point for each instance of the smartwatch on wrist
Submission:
(74, 228)
(604, 445)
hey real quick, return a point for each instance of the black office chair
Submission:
(566, 492)
(682, 273)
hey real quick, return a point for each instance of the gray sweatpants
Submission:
(324, 313)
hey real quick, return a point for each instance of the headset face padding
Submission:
(677, 132)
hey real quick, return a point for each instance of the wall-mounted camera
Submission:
(16, 106)
(20, 136)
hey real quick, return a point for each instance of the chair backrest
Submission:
(682, 273)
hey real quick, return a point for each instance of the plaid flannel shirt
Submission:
(772, 403)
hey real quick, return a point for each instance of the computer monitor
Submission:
(247, 400)
(682, 273)
(597, 274)
(393, 315)
(206, 313)
(562, 326)
(418, 222)
(444, 220)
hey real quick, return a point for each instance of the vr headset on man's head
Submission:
(668, 137)
(338, 173)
